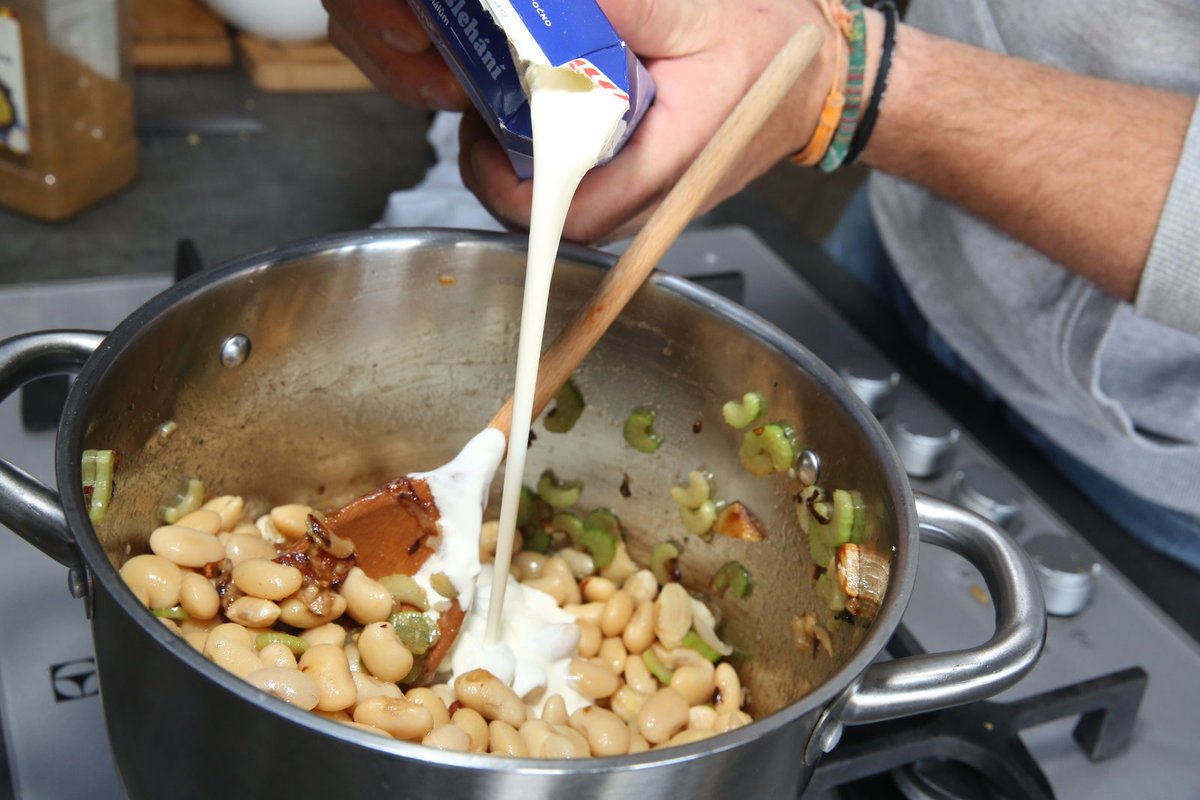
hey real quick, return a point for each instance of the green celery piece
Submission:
(739, 415)
(661, 558)
(692, 639)
(537, 540)
(525, 507)
(846, 515)
(734, 577)
(568, 405)
(601, 544)
(568, 523)
(699, 521)
(831, 593)
(656, 667)
(639, 430)
(698, 490)
(768, 448)
(605, 520)
(294, 643)
(173, 612)
(558, 494)
(102, 486)
(415, 630)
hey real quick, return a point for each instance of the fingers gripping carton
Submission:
(488, 43)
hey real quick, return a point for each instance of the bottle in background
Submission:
(66, 105)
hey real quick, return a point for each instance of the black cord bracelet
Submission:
(867, 123)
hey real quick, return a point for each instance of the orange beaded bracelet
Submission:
(835, 101)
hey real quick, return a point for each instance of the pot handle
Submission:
(923, 683)
(27, 507)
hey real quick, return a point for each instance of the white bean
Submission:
(287, 684)
(383, 653)
(491, 697)
(259, 577)
(327, 665)
(186, 547)
(367, 600)
(198, 596)
(153, 578)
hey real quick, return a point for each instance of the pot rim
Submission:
(67, 469)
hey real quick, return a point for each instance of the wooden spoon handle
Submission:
(668, 221)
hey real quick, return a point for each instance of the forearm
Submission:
(1076, 167)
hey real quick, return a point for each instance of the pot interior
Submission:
(381, 354)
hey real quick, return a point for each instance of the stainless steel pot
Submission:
(313, 372)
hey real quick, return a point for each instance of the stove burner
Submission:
(975, 751)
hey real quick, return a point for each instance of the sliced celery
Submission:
(415, 630)
(699, 521)
(604, 520)
(831, 593)
(537, 540)
(558, 494)
(846, 517)
(656, 667)
(739, 415)
(639, 430)
(569, 524)
(664, 562)
(699, 489)
(568, 405)
(526, 506)
(692, 639)
(185, 504)
(100, 464)
(734, 577)
(601, 544)
(294, 643)
(768, 448)
(174, 612)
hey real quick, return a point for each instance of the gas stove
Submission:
(1111, 655)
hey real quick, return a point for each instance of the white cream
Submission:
(574, 124)
(537, 642)
(460, 490)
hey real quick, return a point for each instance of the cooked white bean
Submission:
(383, 653)
(196, 639)
(578, 742)
(729, 687)
(241, 547)
(605, 731)
(475, 726)
(448, 737)
(154, 579)
(639, 633)
(613, 654)
(428, 699)
(231, 646)
(198, 596)
(186, 547)
(228, 507)
(368, 686)
(672, 614)
(330, 633)
(367, 600)
(259, 577)
(626, 703)
(663, 715)
(590, 612)
(295, 612)
(730, 720)
(253, 612)
(581, 563)
(491, 697)
(694, 682)
(702, 718)
(528, 564)
(534, 733)
(489, 536)
(638, 676)
(554, 710)
(590, 638)
(637, 742)
(202, 520)
(445, 693)
(287, 684)
(641, 585)
(618, 610)
(279, 655)
(504, 739)
(591, 679)
(291, 520)
(597, 589)
(397, 716)
(687, 736)
(327, 665)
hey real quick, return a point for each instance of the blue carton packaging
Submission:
(485, 41)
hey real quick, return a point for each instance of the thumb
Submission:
(662, 28)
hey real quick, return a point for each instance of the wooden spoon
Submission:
(390, 527)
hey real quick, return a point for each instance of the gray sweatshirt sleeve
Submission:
(1169, 291)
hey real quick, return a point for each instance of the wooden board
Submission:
(179, 34)
(298, 67)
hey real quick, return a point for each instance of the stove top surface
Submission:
(51, 712)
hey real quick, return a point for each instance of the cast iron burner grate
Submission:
(974, 751)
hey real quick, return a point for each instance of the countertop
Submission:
(235, 170)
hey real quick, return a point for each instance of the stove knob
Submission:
(927, 451)
(875, 387)
(1067, 571)
(989, 492)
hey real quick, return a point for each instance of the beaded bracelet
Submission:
(867, 124)
(835, 101)
(854, 28)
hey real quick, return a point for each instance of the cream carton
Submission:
(489, 43)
